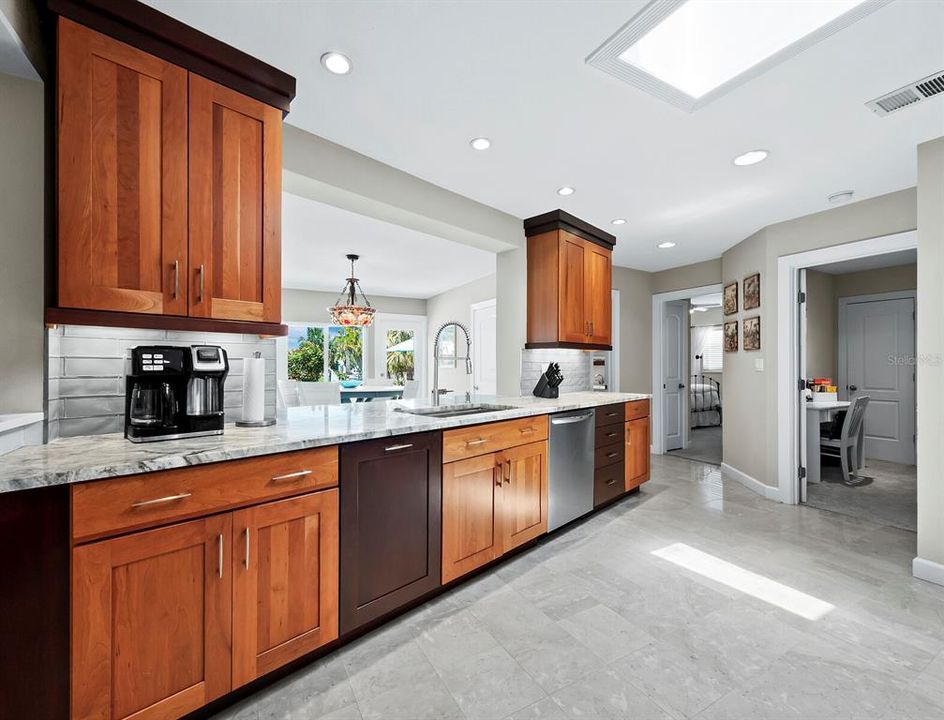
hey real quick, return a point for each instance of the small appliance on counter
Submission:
(175, 392)
(549, 382)
(601, 374)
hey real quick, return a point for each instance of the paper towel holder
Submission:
(265, 422)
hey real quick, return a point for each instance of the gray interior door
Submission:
(879, 362)
(674, 375)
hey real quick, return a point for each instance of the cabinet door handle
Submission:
(479, 441)
(508, 471)
(201, 271)
(160, 500)
(246, 558)
(612, 454)
(496, 475)
(219, 563)
(291, 476)
(591, 327)
(393, 448)
(611, 434)
(527, 430)
(176, 278)
(611, 481)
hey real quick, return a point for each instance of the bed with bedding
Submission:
(704, 401)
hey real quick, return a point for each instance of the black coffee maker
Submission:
(175, 392)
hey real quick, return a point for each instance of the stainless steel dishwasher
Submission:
(570, 467)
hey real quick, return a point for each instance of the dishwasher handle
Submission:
(571, 419)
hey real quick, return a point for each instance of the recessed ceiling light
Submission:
(665, 245)
(335, 62)
(618, 221)
(702, 44)
(566, 190)
(751, 157)
(480, 143)
(841, 197)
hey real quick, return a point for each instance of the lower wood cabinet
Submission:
(285, 582)
(637, 452)
(492, 504)
(166, 620)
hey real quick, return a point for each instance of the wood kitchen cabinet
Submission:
(151, 621)
(285, 582)
(570, 280)
(496, 501)
(168, 179)
(391, 520)
(235, 205)
(638, 443)
(122, 176)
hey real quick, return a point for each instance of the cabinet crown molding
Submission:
(562, 220)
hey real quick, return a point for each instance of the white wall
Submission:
(455, 305)
(21, 245)
(930, 341)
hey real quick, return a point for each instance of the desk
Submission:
(817, 412)
(366, 394)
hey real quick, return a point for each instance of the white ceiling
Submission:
(428, 76)
(873, 262)
(395, 261)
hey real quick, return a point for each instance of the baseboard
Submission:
(771, 493)
(928, 570)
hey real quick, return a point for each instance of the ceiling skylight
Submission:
(690, 51)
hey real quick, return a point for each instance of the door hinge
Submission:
(801, 297)
(801, 384)
(801, 472)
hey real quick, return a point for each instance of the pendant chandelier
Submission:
(347, 310)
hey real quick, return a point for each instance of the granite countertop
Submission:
(73, 460)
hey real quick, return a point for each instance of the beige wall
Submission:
(635, 361)
(687, 276)
(456, 305)
(821, 325)
(930, 342)
(750, 430)
(21, 245)
(880, 280)
(712, 316)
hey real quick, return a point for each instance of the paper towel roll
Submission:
(253, 389)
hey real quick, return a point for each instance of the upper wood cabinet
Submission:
(570, 279)
(122, 174)
(169, 155)
(235, 205)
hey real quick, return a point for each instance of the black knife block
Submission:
(544, 389)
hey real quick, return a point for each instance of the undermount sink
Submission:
(448, 411)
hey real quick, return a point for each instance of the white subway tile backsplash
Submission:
(78, 387)
(90, 426)
(92, 406)
(575, 366)
(89, 347)
(93, 367)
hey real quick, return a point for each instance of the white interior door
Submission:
(484, 348)
(801, 365)
(674, 377)
(400, 348)
(879, 340)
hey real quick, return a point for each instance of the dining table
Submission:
(371, 392)
(818, 412)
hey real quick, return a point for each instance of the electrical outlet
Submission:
(759, 364)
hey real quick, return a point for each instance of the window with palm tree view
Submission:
(325, 353)
(400, 356)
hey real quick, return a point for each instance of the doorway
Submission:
(399, 357)
(687, 364)
(485, 348)
(852, 335)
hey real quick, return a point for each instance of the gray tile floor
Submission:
(592, 624)
(889, 496)
(704, 445)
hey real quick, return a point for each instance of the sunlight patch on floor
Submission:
(758, 586)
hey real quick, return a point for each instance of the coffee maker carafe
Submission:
(175, 392)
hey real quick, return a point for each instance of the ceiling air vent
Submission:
(908, 95)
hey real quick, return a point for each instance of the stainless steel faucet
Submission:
(437, 393)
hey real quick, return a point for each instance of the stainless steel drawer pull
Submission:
(570, 419)
(246, 558)
(392, 448)
(176, 278)
(611, 481)
(291, 476)
(527, 430)
(479, 441)
(612, 454)
(202, 272)
(219, 566)
(160, 500)
(611, 434)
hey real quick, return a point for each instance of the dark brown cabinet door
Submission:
(285, 582)
(524, 494)
(471, 515)
(235, 205)
(122, 176)
(637, 452)
(574, 324)
(391, 519)
(152, 621)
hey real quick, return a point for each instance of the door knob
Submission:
(681, 386)
(852, 388)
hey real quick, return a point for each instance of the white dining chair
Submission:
(319, 393)
(846, 445)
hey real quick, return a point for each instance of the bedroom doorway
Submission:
(687, 366)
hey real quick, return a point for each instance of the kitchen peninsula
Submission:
(262, 546)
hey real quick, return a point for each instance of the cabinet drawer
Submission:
(609, 454)
(483, 439)
(607, 484)
(608, 434)
(109, 507)
(609, 414)
(637, 409)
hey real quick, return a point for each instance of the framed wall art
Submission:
(730, 336)
(752, 292)
(752, 333)
(730, 302)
